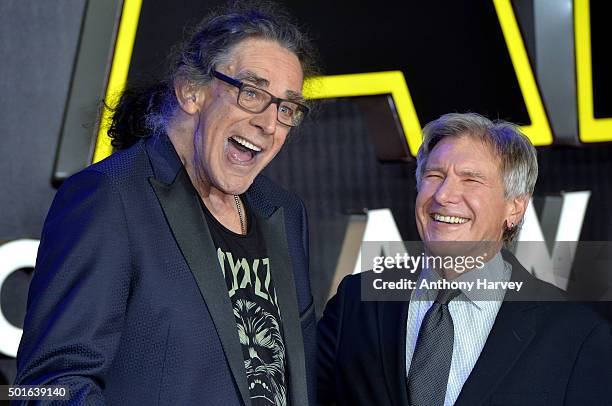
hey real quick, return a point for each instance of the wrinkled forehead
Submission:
(266, 64)
(466, 150)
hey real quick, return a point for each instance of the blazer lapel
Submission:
(392, 326)
(273, 229)
(183, 213)
(512, 332)
(182, 210)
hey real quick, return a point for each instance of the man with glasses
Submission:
(172, 272)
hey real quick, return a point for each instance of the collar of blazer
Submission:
(514, 328)
(179, 202)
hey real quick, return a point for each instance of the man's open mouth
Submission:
(242, 149)
(449, 219)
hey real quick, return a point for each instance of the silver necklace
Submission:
(237, 201)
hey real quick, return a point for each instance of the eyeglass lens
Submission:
(257, 100)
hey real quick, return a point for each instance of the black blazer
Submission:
(537, 353)
(128, 304)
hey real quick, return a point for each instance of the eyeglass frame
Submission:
(273, 99)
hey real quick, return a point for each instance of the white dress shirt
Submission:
(473, 319)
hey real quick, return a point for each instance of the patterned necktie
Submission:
(433, 353)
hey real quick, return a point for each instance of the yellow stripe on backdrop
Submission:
(369, 84)
(350, 85)
(590, 129)
(539, 130)
(120, 67)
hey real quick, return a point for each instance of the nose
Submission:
(266, 120)
(448, 191)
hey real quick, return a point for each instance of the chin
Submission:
(241, 187)
(446, 237)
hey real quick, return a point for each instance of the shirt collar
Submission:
(495, 270)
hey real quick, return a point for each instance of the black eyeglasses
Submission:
(256, 100)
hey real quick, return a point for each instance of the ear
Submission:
(516, 210)
(189, 96)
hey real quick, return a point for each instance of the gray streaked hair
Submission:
(518, 162)
(144, 111)
(213, 41)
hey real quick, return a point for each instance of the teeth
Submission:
(246, 144)
(258, 382)
(450, 219)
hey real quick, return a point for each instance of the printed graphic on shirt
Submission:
(258, 320)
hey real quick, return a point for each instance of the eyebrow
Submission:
(251, 77)
(295, 97)
(471, 173)
(433, 169)
(258, 81)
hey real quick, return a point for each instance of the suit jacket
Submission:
(128, 304)
(537, 353)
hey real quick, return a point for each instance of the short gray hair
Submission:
(518, 161)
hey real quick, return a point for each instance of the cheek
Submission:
(213, 131)
(420, 208)
(423, 197)
(221, 114)
(204, 145)
(281, 135)
(487, 210)
(279, 141)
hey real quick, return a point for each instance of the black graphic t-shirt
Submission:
(246, 267)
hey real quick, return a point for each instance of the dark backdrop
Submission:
(453, 60)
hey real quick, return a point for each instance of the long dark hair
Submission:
(145, 110)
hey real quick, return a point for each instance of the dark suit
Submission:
(128, 304)
(537, 353)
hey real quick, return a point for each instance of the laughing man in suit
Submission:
(445, 347)
(172, 272)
